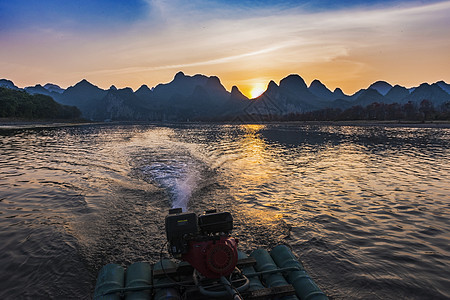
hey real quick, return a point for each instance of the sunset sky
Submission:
(348, 44)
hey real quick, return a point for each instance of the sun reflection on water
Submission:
(254, 159)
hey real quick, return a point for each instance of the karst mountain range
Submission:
(200, 97)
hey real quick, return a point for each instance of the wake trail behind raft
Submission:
(179, 178)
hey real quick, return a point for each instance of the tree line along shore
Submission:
(19, 106)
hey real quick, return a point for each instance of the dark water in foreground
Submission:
(365, 208)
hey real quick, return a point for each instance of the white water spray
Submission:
(179, 178)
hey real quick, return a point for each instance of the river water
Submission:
(365, 208)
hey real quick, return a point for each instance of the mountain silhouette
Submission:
(201, 97)
(236, 103)
(8, 84)
(143, 92)
(265, 104)
(37, 89)
(181, 86)
(83, 92)
(187, 97)
(396, 94)
(294, 96)
(369, 96)
(425, 91)
(84, 95)
(339, 94)
(381, 87)
(53, 88)
(318, 89)
(122, 104)
(444, 86)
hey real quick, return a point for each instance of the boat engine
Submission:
(204, 241)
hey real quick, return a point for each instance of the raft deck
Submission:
(262, 275)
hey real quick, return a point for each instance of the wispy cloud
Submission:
(297, 36)
(215, 38)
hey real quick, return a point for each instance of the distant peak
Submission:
(380, 83)
(316, 82)
(8, 84)
(214, 78)
(113, 87)
(424, 84)
(272, 84)
(84, 82)
(179, 75)
(144, 87)
(272, 88)
(338, 92)
(293, 81)
(318, 85)
(127, 89)
(381, 86)
(52, 86)
(235, 89)
(235, 92)
(293, 77)
(198, 76)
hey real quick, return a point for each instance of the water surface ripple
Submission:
(365, 208)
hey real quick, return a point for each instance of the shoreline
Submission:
(393, 123)
(7, 123)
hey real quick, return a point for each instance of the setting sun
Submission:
(257, 90)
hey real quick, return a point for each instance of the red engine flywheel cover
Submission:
(220, 258)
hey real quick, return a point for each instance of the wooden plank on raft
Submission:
(270, 293)
(185, 268)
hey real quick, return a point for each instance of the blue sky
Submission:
(346, 44)
(100, 14)
(20, 14)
